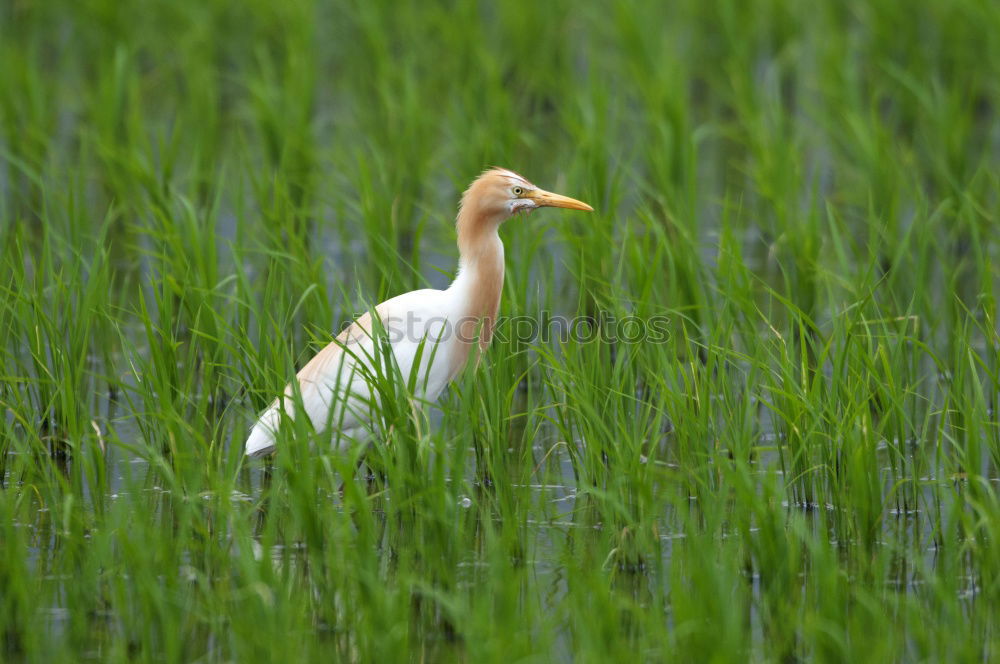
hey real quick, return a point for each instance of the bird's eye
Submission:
(517, 191)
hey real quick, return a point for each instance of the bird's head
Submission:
(498, 194)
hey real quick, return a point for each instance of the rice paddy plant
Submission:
(745, 410)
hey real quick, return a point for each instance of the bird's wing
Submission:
(318, 382)
(334, 389)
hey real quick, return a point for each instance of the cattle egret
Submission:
(436, 329)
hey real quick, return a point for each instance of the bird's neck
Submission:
(480, 278)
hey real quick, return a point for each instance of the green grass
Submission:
(195, 196)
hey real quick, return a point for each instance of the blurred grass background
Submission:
(195, 196)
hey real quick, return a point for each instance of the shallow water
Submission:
(552, 513)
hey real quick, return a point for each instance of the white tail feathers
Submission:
(261, 440)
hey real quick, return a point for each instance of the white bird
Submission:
(442, 327)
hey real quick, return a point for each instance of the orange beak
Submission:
(544, 198)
